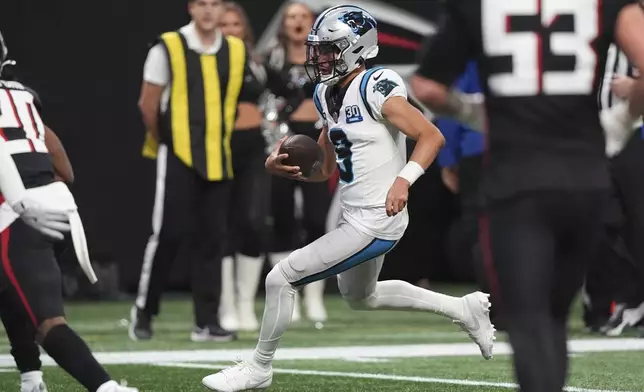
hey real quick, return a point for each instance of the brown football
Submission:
(304, 152)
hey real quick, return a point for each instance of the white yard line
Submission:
(380, 377)
(189, 358)
(314, 353)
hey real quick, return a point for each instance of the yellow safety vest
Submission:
(201, 113)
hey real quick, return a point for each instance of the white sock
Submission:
(314, 291)
(314, 301)
(249, 270)
(247, 277)
(227, 304)
(400, 295)
(277, 316)
(276, 257)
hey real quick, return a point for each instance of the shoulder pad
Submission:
(37, 100)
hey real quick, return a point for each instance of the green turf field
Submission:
(354, 351)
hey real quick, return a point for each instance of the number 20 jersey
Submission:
(24, 132)
(367, 152)
(540, 62)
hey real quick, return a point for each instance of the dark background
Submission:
(85, 58)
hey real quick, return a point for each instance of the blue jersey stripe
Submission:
(363, 88)
(376, 248)
(316, 100)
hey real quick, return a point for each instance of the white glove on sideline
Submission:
(51, 223)
(618, 126)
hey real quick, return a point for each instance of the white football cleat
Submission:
(476, 322)
(241, 377)
(32, 382)
(113, 386)
(31, 387)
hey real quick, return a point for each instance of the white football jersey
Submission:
(367, 152)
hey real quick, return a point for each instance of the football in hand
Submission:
(304, 152)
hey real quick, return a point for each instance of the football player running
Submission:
(30, 279)
(355, 105)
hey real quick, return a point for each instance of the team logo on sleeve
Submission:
(385, 86)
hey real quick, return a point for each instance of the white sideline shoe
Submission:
(241, 377)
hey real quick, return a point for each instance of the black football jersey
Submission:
(24, 132)
(540, 63)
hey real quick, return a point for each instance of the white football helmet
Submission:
(341, 39)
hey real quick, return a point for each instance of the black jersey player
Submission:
(30, 280)
(546, 177)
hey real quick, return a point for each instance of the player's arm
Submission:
(443, 58)
(386, 95)
(62, 165)
(156, 76)
(629, 33)
(429, 140)
(11, 185)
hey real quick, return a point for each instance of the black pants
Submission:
(189, 213)
(465, 247)
(464, 231)
(30, 280)
(250, 194)
(627, 169)
(317, 199)
(30, 290)
(617, 273)
(611, 271)
(539, 244)
(20, 331)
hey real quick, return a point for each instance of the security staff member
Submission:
(192, 80)
(617, 272)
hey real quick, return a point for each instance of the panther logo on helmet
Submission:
(358, 23)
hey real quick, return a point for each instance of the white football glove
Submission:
(51, 223)
(471, 109)
(618, 126)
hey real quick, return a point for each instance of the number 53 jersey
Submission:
(539, 63)
(366, 150)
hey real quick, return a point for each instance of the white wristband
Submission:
(411, 172)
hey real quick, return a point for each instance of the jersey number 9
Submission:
(342, 147)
